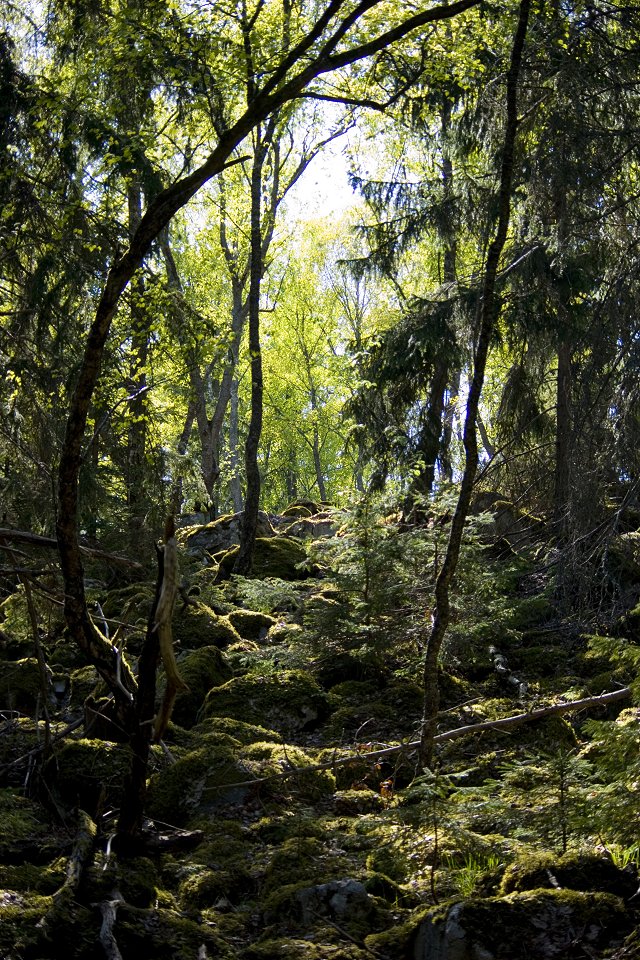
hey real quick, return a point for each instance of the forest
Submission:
(319, 482)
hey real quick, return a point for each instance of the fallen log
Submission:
(503, 723)
(50, 543)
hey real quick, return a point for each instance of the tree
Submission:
(486, 320)
(321, 45)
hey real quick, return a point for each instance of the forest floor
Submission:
(287, 814)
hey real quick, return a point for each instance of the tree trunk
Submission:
(562, 478)
(486, 319)
(244, 558)
(137, 435)
(234, 443)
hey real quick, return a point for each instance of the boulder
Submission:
(536, 925)
(287, 701)
(219, 535)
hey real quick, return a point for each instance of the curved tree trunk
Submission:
(487, 309)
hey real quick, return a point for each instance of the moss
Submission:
(289, 948)
(29, 877)
(583, 871)
(537, 924)
(383, 887)
(199, 626)
(337, 666)
(280, 557)
(83, 683)
(86, 772)
(287, 701)
(389, 860)
(21, 819)
(131, 604)
(199, 782)
(286, 826)
(241, 732)
(205, 886)
(20, 687)
(135, 877)
(352, 803)
(298, 861)
(398, 939)
(201, 670)
(166, 935)
(265, 759)
(250, 624)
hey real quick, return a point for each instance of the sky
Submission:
(324, 187)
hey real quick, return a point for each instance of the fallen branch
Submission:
(472, 728)
(108, 909)
(50, 543)
(80, 857)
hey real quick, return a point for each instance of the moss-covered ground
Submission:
(310, 846)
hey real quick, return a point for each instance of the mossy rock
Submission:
(286, 826)
(18, 738)
(583, 871)
(530, 612)
(389, 860)
(201, 670)
(198, 783)
(20, 685)
(290, 948)
(337, 666)
(23, 822)
(35, 878)
(242, 733)
(250, 624)
(164, 934)
(353, 803)
(131, 604)
(302, 508)
(343, 901)
(379, 717)
(287, 701)
(219, 535)
(83, 683)
(136, 878)
(85, 773)
(280, 557)
(297, 860)
(539, 661)
(535, 925)
(272, 759)
(623, 557)
(198, 626)
(383, 887)
(205, 886)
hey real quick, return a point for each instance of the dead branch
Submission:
(50, 543)
(79, 859)
(108, 909)
(502, 724)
